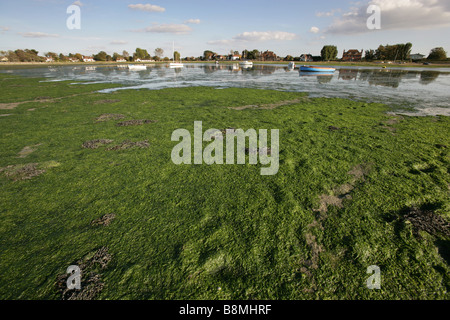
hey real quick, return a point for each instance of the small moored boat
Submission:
(133, 67)
(316, 69)
(246, 64)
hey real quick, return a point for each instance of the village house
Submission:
(234, 57)
(416, 56)
(218, 57)
(88, 59)
(352, 55)
(306, 57)
(121, 60)
(4, 59)
(73, 60)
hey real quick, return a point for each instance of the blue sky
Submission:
(283, 26)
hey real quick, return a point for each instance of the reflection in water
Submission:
(427, 77)
(420, 88)
(387, 77)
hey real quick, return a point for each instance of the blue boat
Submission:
(317, 69)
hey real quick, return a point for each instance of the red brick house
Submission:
(352, 55)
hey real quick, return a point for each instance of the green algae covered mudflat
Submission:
(87, 179)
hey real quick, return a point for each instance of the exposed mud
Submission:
(108, 117)
(134, 123)
(9, 106)
(95, 144)
(91, 284)
(127, 144)
(104, 220)
(22, 171)
(426, 220)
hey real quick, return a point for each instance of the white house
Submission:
(306, 57)
(48, 59)
(416, 56)
(121, 60)
(88, 59)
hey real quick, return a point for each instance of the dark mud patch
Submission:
(22, 171)
(127, 144)
(91, 267)
(107, 101)
(333, 128)
(95, 144)
(108, 117)
(134, 123)
(426, 220)
(104, 220)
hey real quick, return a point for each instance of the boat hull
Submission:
(316, 69)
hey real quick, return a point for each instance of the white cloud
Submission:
(265, 36)
(256, 36)
(146, 7)
(38, 35)
(328, 14)
(119, 42)
(314, 30)
(3, 28)
(395, 15)
(167, 28)
(192, 21)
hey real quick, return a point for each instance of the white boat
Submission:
(175, 64)
(133, 67)
(291, 65)
(246, 64)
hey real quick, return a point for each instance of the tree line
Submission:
(398, 52)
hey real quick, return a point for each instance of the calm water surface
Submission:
(414, 90)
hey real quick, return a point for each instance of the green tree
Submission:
(370, 55)
(141, 54)
(208, 55)
(289, 58)
(177, 56)
(101, 56)
(437, 54)
(329, 53)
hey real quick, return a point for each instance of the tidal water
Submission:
(415, 91)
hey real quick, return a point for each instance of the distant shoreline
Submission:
(330, 63)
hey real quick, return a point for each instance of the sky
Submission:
(287, 27)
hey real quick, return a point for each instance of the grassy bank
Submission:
(81, 183)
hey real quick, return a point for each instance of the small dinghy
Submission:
(317, 69)
(133, 67)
